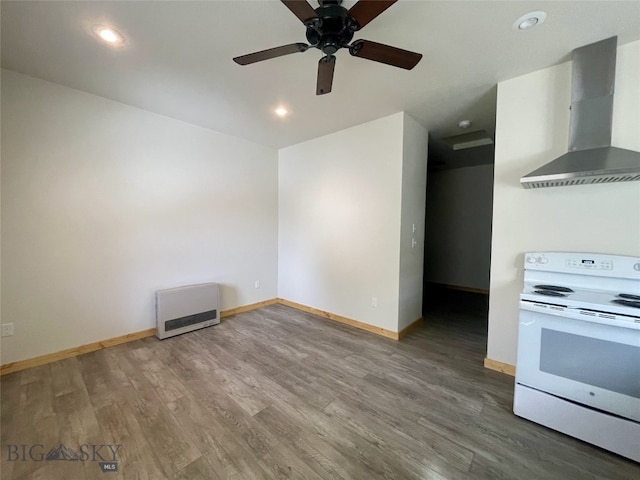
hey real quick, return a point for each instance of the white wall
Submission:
(532, 129)
(415, 143)
(459, 209)
(339, 221)
(347, 204)
(103, 203)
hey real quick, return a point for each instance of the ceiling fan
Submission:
(331, 27)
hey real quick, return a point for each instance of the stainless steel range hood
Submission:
(591, 158)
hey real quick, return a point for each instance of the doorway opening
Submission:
(457, 257)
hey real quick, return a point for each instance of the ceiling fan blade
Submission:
(366, 10)
(271, 53)
(326, 66)
(300, 9)
(379, 52)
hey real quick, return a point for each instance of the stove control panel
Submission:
(590, 264)
(539, 259)
(578, 263)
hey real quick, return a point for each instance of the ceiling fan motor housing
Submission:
(332, 29)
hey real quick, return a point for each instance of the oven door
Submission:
(581, 356)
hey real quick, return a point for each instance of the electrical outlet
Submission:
(7, 329)
(256, 284)
(374, 302)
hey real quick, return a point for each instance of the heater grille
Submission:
(184, 309)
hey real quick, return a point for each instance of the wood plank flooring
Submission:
(278, 393)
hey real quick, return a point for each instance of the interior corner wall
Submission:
(415, 143)
(532, 129)
(459, 208)
(339, 222)
(103, 203)
(0, 215)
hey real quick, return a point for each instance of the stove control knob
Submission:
(531, 260)
(636, 267)
(543, 260)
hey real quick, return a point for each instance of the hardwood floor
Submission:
(277, 393)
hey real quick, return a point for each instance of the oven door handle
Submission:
(614, 320)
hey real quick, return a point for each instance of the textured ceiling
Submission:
(177, 59)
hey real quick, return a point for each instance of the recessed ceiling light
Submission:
(281, 111)
(108, 35)
(529, 20)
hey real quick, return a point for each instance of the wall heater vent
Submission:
(183, 309)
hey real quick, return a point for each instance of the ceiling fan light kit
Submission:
(331, 27)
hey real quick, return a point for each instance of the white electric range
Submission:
(578, 363)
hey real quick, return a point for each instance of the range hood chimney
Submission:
(591, 158)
